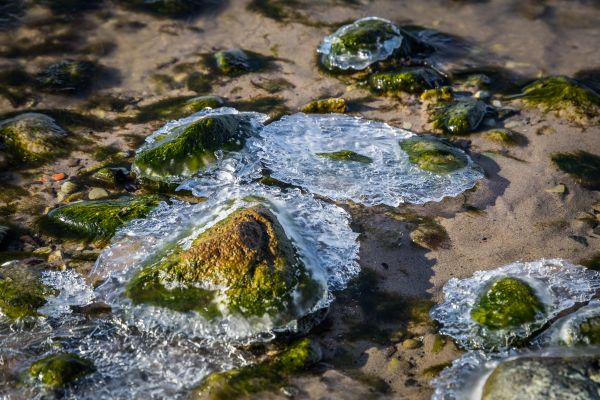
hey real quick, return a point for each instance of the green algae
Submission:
(268, 180)
(188, 149)
(433, 155)
(326, 106)
(438, 95)
(505, 137)
(248, 253)
(589, 329)
(60, 369)
(582, 166)
(21, 291)
(563, 95)
(176, 107)
(235, 62)
(346, 155)
(96, 220)
(408, 80)
(505, 303)
(67, 76)
(458, 117)
(267, 376)
(435, 370)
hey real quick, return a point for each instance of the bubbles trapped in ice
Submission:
(290, 148)
(567, 331)
(558, 283)
(320, 232)
(72, 291)
(337, 52)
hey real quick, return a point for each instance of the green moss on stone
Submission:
(268, 376)
(459, 117)
(506, 303)
(60, 369)
(188, 149)
(326, 106)
(176, 107)
(97, 220)
(433, 155)
(584, 167)
(67, 76)
(409, 80)
(505, 137)
(563, 95)
(442, 94)
(346, 155)
(249, 254)
(21, 291)
(589, 329)
(236, 62)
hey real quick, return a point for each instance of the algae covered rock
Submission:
(187, 149)
(31, 137)
(167, 8)
(347, 155)
(265, 377)
(67, 76)
(248, 255)
(360, 44)
(530, 378)
(97, 220)
(21, 291)
(60, 369)
(582, 166)
(326, 106)
(177, 107)
(408, 80)
(505, 303)
(459, 117)
(563, 95)
(236, 62)
(434, 155)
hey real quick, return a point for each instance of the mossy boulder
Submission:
(582, 166)
(459, 117)
(167, 8)
(267, 376)
(234, 62)
(408, 80)
(22, 291)
(61, 369)
(506, 303)
(434, 155)
(177, 107)
(68, 76)
(326, 106)
(563, 95)
(346, 155)
(249, 255)
(30, 137)
(360, 44)
(99, 219)
(532, 378)
(188, 149)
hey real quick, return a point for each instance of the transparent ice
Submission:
(559, 284)
(565, 331)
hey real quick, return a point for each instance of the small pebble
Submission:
(482, 95)
(59, 176)
(561, 189)
(42, 251)
(497, 103)
(56, 256)
(97, 193)
(68, 187)
(410, 344)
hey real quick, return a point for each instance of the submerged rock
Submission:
(264, 377)
(22, 292)
(167, 8)
(360, 44)
(459, 117)
(529, 378)
(177, 107)
(60, 369)
(409, 80)
(434, 155)
(326, 106)
(31, 137)
(249, 255)
(97, 220)
(186, 149)
(346, 155)
(582, 166)
(507, 302)
(236, 62)
(67, 76)
(563, 95)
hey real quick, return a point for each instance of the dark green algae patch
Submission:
(434, 155)
(326, 106)
(59, 370)
(409, 80)
(96, 220)
(582, 166)
(249, 254)
(267, 376)
(174, 108)
(22, 292)
(505, 303)
(236, 62)
(458, 117)
(346, 155)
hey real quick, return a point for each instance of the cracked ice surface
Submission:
(289, 148)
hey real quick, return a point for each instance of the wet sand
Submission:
(507, 217)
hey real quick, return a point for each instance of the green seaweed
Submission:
(433, 155)
(459, 117)
(443, 94)
(96, 220)
(67, 76)
(267, 376)
(346, 155)
(505, 303)
(582, 166)
(59, 370)
(408, 80)
(21, 291)
(326, 106)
